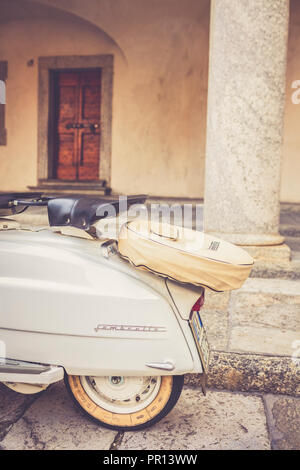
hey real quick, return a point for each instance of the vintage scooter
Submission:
(118, 319)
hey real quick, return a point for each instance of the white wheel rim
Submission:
(121, 394)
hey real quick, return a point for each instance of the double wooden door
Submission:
(77, 125)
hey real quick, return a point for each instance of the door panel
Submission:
(90, 102)
(78, 125)
(66, 157)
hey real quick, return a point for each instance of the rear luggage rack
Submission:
(75, 211)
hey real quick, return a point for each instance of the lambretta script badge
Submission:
(143, 329)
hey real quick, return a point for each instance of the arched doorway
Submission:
(60, 82)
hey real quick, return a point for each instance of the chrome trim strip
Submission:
(168, 365)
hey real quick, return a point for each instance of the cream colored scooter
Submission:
(72, 308)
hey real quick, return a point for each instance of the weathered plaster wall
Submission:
(21, 42)
(159, 95)
(160, 89)
(290, 177)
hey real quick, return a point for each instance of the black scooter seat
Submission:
(82, 212)
(76, 211)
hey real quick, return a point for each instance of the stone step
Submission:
(265, 316)
(256, 330)
(250, 373)
(61, 191)
(289, 270)
(278, 261)
(268, 302)
(290, 230)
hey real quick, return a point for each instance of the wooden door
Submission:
(77, 127)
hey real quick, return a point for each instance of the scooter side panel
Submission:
(61, 304)
(98, 356)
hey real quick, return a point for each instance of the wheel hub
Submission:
(116, 380)
(121, 394)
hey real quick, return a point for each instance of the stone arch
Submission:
(12, 10)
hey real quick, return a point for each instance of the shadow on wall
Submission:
(18, 10)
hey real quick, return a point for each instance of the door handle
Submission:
(77, 125)
(167, 365)
(93, 127)
(73, 125)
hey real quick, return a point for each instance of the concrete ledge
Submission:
(280, 254)
(253, 333)
(265, 270)
(251, 373)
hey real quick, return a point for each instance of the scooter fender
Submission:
(63, 304)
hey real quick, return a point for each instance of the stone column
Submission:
(248, 49)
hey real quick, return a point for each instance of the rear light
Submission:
(199, 304)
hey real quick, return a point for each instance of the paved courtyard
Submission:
(220, 421)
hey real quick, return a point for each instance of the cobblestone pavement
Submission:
(221, 420)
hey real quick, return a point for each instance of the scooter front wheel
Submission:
(125, 403)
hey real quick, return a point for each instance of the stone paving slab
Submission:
(259, 340)
(263, 317)
(53, 423)
(217, 328)
(284, 421)
(266, 310)
(12, 407)
(271, 286)
(220, 421)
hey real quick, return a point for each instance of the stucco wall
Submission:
(290, 176)
(159, 93)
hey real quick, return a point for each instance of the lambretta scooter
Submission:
(117, 319)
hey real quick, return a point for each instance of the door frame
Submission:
(46, 103)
